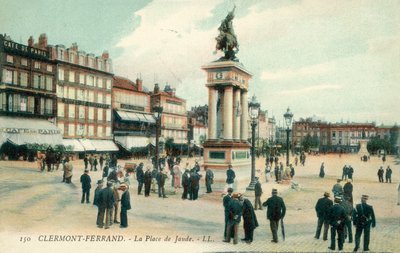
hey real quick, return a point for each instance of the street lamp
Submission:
(288, 120)
(254, 109)
(157, 114)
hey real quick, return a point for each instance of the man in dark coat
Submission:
(276, 173)
(249, 220)
(348, 208)
(96, 200)
(337, 218)
(380, 174)
(86, 185)
(95, 162)
(101, 160)
(322, 171)
(348, 191)
(337, 189)
(235, 216)
(388, 175)
(276, 210)
(230, 176)
(147, 181)
(107, 201)
(185, 183)
(227, 198)
(344, 172)
(125, 205)
(140, 177)
(322, 207)
(86, 161)
(194, 185)
(257, 193)
(363, 218)
(209, 179)
(161, 178)
(113, 175)
(350, 172)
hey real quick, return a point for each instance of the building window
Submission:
(36, 81)
(42, 103)
(81, 112)
(49, 83)
(71, 111)
(91, 96)
(100, 98)
(99, 82)
(71, 129)
(99, 114)
(23, 103)
(36, 65)
(71, 93)
(2, 101)
(10, 59)
(60, 54)
(72, 57)
(108, 115)
(108, 99)
(7, 76)
(60, 110)
(82, 78)
(82, 60)
(61, 74)
(108, 84)
(24, 79)
(61, 127)
(60, 91)
(49, 106)
(81, 95)
(91, 113)
(24, 62)
(108, 131)
(31, 104)
(49, 68)
(91, 130)
(90, 80)
(100, 131)
(71, 76)
(90, 60)
(80, 130)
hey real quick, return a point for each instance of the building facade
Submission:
(198, 125)
(174, 122)
(133, 122)
(84, 83)
(27, 93)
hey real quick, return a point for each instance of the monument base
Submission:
(363, 148)
(219, 154)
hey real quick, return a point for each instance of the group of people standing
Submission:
(387, 173)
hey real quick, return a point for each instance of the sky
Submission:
(336, 60)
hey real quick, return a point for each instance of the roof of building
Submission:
(124, 83)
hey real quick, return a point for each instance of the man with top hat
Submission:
(276, 211)
(257, 193)
(337, 218)
(125, 205)
(96, 200)
(86, 185)
(363, 218)
(322, 207)
(235, 210)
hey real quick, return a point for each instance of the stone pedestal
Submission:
(363, 148)
(228, 83)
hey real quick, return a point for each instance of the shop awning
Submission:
(21, 131)
(104, 145)
(136, 116)
(87, 145)
(129, 142)
(73, 145)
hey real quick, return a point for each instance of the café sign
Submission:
(22, 49)
(13, 130)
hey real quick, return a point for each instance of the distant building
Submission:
(198, 125)
(28, 102)
(134, 124)
(174, 116)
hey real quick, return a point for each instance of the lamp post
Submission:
(288, 120)
(254, 109)
(157, 113)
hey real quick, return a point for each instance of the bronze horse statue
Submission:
(226, 40)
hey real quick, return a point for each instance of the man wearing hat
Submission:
(348, 208)
(125, 205)
(363, 218)
(337, 189)
(337, 218)
(322, 207)
(235, 215)
(230, 176)
(276, 210)
(140, 178)
(106, 201)
(257, 193)
(249, 220)
(96, 200)
(147, 181)
(226, 200)
(86, 185)
(348, 191)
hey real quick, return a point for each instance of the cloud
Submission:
(310, 89)
(308, 71)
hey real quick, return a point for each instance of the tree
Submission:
(375, 144)
(310, 142)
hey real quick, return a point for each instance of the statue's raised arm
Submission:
(226, 40)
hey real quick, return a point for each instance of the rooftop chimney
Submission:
(30, 42)
(74, 47)
(43, 41)
(156, 88)
(139, 84)
(105, 55)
